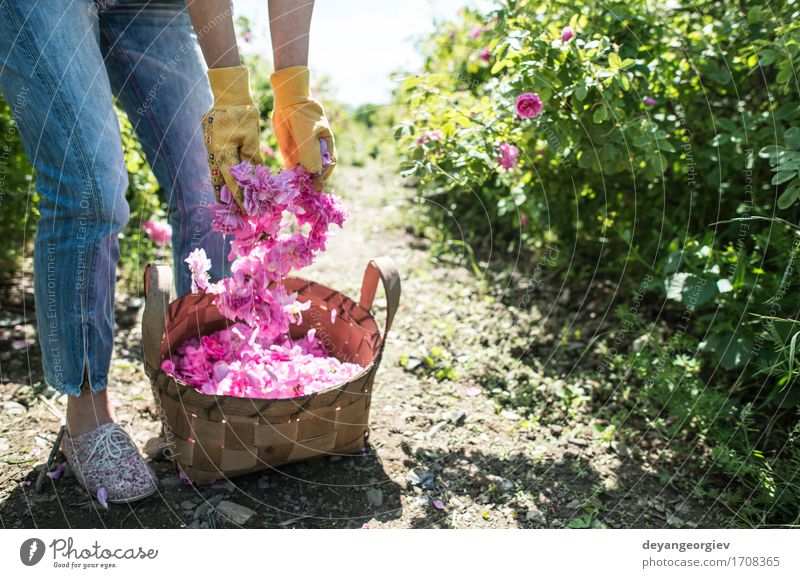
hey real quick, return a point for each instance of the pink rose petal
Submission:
(102, 497)
(58, 472)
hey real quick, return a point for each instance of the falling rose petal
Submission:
(225, 195)
(438, 504)
(334, 313)
(58, 472)
(365, 526)
(27, 483)
(284, 224)
(473, 391)
(102, 497)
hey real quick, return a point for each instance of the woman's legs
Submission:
(157, 72)
(51, 58)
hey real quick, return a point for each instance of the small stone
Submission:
(511, 415)
(13, 408)
(556, 429)
(611, 483)
(458, 417)
(423, 478)
(535, 515)
(154, 448)
(375, 497)
(188, 505)
(436, 429)
(574, 504)
(580, 442)
(237, 514)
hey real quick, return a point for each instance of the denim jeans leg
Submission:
(51, 59)
(157, 71)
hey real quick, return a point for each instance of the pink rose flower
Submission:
(508, 155)
(159, 231)
(529, 105)
(431, 136)
(476, 31)
(650, 101)
(567, 34)
(485, 54)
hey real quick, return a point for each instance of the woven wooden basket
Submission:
(212, 437)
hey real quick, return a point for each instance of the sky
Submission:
(358, 43)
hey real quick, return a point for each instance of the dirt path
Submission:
(448, 448)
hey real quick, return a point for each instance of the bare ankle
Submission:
(88, 411)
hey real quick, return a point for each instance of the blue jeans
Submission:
(62, 62)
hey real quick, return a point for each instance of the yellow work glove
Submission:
(300, 124)
(230, 127)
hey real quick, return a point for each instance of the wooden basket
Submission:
(210, 437)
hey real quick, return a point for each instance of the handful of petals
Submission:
(284, 224)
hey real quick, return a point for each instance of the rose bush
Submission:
(654, 140)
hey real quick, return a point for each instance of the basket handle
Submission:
(385, 269)
(157, 292)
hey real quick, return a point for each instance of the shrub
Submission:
(667, 146)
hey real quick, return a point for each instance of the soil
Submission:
(448, 447)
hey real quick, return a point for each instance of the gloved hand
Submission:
(230, 127)
(300, 124)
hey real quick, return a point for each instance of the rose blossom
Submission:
(159, 231)
(529, 105)
(485, 54)
(508, 155)
(567, 34)
(435, 135)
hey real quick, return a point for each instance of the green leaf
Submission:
(580, 91)
(770, 152)
(665, 145)
(788, 197)
(731, 351)
(689, 289)
(792, 137)
(766, 57)
(500, 65)
(783, 176)
(600, 114)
